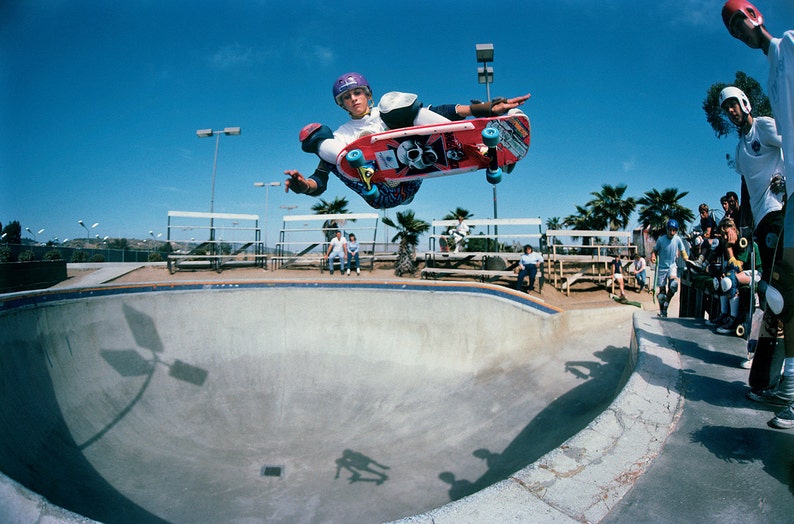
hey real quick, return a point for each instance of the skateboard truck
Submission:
(365, 171)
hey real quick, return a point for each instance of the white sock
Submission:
(788, 366)
(734, 304)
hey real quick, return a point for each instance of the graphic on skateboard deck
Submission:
(437, 150)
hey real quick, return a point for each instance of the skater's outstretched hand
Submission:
(296, 182)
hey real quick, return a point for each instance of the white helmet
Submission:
(734, 92)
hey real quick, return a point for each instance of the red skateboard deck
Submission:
(438, 150)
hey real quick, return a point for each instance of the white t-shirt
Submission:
(759, 157)
(781, 95)
(338, 245)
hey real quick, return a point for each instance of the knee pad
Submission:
(399, 109)
(779, 292)
(673, 287)
(726, 284)
(312, 135)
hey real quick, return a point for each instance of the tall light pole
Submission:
(288, 208)
(267, 186)
(35, 240)
(87, 232)
(485, 76)
(204, 133)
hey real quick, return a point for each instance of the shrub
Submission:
(79, 256)
(27, 256)
(5, 254)
(155, 257)
(53, 254)
(98, 258)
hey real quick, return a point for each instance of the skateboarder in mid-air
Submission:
(353, 93)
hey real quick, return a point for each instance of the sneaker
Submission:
(358, 271)
(768, 396)
(696, 265)
(784, 419)
(663, 313)
(720, 320)
(747, 364)
(727, 327)
(348, 272)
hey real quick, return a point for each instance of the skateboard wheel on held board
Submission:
(371, 194)
(740, 330)
(495, 177)
(355, 158)
(490, 136)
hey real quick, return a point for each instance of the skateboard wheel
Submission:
(355, 158)
(495, 177)
(371, 194)
(490, 136)
(740, 330)
(743, 242)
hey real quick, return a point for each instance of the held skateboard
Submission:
(435, 150)
(625, 301)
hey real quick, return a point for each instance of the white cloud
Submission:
(629, 165)
(234, 56)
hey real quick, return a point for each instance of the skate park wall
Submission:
(167, 403)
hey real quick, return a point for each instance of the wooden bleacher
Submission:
(590, 263)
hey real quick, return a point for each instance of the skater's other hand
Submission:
(503, 105)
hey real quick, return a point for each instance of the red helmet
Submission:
(734, 7)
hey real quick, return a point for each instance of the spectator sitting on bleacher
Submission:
(528, 265)
(337, 248)
(639, 269)
(459, 234)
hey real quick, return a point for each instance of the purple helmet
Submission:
(347, 82)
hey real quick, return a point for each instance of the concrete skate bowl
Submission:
(287, 401)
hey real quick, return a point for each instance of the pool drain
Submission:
(272, 471)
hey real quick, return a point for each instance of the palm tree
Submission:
(656, 208)
(457, 213)
(611, 208)
(554, 223)
(338, 206)
(408, 230)
(583, 220)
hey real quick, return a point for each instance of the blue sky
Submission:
(101, 100)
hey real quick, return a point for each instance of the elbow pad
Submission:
(312, 135)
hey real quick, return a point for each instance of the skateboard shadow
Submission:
(361, 468)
